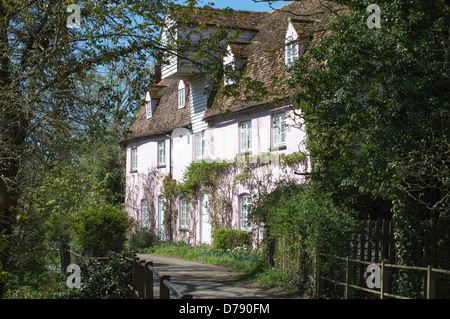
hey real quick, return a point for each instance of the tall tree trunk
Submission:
(12, 138)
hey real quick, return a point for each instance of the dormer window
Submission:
(181, 95)
(291, 52)
(295, 42)
(148, 105)
(227, 80)
(233, 62)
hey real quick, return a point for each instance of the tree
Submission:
(376, 107)
(101, 229)
(43, 63)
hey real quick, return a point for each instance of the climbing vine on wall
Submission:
(224, 179)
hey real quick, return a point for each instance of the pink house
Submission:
(182, 123)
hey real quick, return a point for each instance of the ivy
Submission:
(220, 178)
(169, 191)
(202, 174)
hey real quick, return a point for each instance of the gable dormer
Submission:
(148, 105)
(234, 61)
(298, 35)
(187, 27)
(183, 91)
(152, 97)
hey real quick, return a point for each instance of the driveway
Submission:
(205, 281)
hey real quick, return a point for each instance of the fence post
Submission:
(431, 284)
(383, 280)
(141, 283)
(164, 292)
(391, 243)
(148, 281)
(377, 240)
(370, 240)
(348, 279)
(135, 276)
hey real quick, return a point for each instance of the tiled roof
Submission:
(264, 56)
(265, 60)
(242, 19)
(166, 115)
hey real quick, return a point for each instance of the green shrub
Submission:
(227, 238)
(101, 229)
(103, 279)
(141, 240)
(34, 285)
(298, 224)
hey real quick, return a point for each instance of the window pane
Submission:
(144, 207)
(184, 213)
(283, 133)
(245, 202)
(162, 153)
(279, 129)
(148, 109)
(134, 158)
(200, 144)
(246, 136)
(181, 98)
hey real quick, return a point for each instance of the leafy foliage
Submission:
(102, 279)
(141, 240)
(101, 229)
(35, 285)
(298, 224)
(376, 107)
(228, 238)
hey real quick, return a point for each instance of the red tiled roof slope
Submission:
(243, 19)
(166, 115)
(264, 56)
(265, 60)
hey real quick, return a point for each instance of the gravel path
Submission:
(205, 281)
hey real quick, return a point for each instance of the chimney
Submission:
(156, 72)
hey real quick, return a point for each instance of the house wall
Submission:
(199, 102)
(222, 142)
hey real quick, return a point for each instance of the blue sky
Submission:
(244, 4)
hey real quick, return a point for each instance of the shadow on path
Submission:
(208, 281)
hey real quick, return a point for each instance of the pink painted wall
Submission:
(222, 142)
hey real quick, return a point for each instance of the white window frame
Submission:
(244, 201)
(181, 94)
(279, 129)
(145, 213)
(200, 145)
(227, 80)
(245, 136)
(291, 52)
(161, 153)
(184, 213)
(134, 158)
(148, 105)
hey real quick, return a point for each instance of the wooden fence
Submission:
(385, 282)
(374, 241)
(142, 282)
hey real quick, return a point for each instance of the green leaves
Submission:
(376, 107)
(372, 94)
(101, 229)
